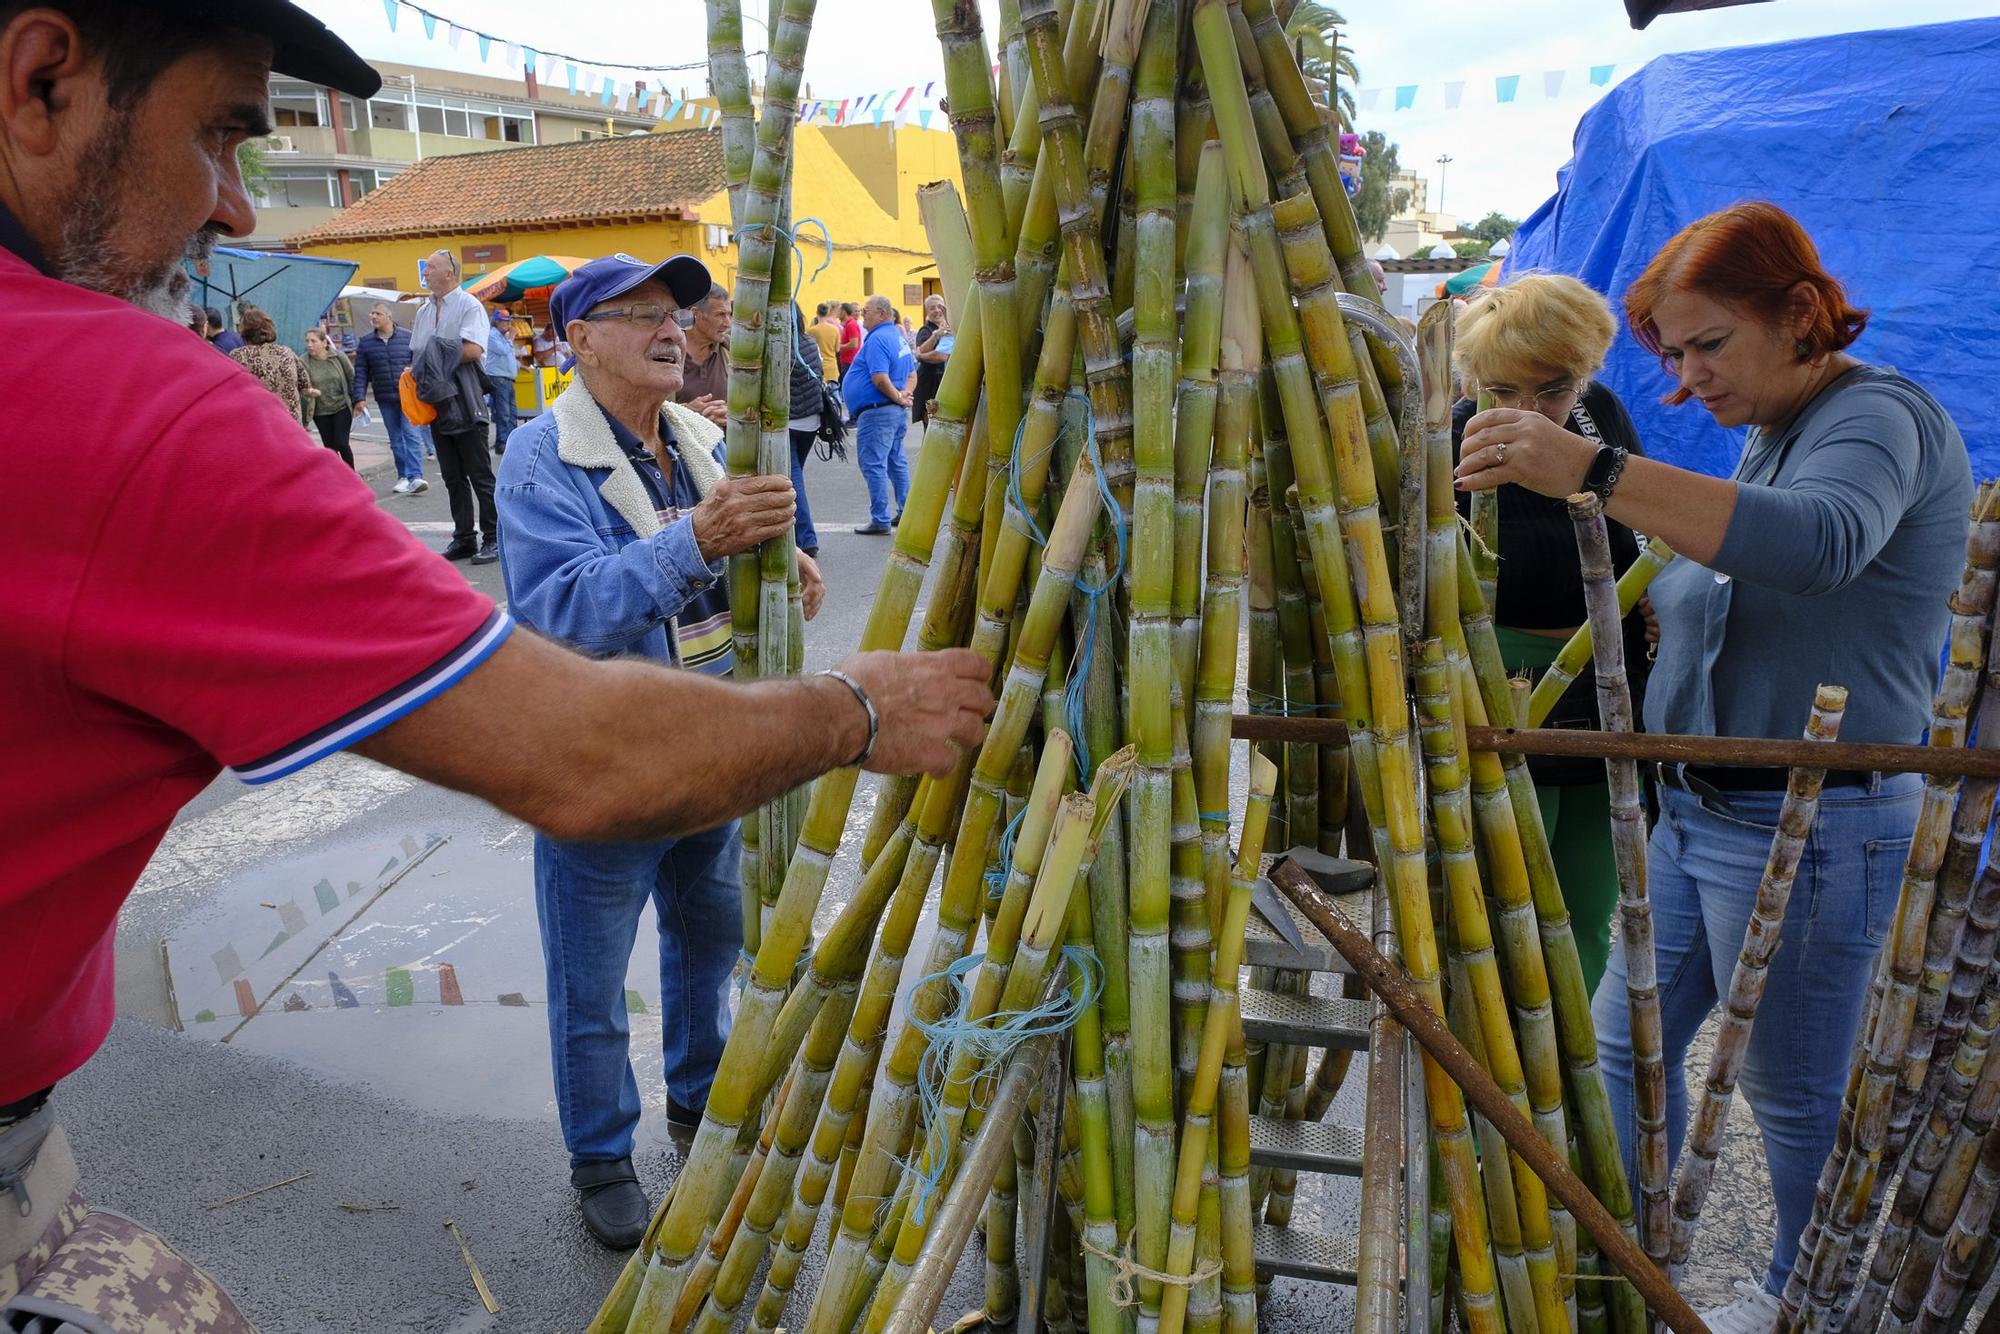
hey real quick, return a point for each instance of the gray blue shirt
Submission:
(1847, 539)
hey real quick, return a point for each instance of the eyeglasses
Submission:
(1542, 400)
(647, 316)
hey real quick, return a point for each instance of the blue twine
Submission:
(1093, 594)
(996, 879)
(990, 1041)
(791, 239)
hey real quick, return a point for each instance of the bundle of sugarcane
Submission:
(1923, 1098)
(1263, 428)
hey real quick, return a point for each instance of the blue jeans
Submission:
(804, 535)
(500, 394)
(589, 897)
(879, 441)
(404, 444)
(1704, 863)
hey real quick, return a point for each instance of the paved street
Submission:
(338, 977)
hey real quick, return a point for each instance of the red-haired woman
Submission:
(1826, 557)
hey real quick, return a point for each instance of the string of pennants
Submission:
(615, 87)
(1451, 94)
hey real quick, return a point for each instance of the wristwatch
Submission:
(1605, 470)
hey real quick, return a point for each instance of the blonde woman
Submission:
(333, 393)
(1533, 345)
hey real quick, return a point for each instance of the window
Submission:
(388, 114)
(297, 104)
(350, 114)
(457, 124)
(299, 187)
(517, 129)
(868, 282)
(430, 119)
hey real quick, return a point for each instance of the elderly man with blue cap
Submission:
(618, 522)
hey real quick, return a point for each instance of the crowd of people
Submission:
(1828, 555)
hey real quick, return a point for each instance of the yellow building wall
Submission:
(878, 240)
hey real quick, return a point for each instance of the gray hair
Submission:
(715, 290)
(879, 302)
(449, 258)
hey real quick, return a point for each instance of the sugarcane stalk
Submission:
(975, 126)
(1510, 816)
(1218, 1021)
(1207, 249)
(1474, 956)
(1238, 1279)
(1628, 830)
(1575, 652)
(1496, 1170)
(1377, 1301)
(1963, 1244)
(1371, 680)
(1040, 931)
(1746, 983)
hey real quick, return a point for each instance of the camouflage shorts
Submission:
(67, 1269)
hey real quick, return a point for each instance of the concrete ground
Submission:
(335, 983)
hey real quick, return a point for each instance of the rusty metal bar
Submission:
(1663, 747)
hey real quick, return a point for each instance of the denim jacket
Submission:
(582, 551)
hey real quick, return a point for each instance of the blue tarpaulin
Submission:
(294, 290)
(1886, 145)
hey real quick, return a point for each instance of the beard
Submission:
(92, 255)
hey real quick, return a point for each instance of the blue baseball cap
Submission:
(593, 284)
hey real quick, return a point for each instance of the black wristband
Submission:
(1605, 469)
(874, 719)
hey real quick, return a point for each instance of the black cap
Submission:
(302, 46)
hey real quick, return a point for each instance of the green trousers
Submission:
(1577, 817)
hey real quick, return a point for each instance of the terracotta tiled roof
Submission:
(636, 176)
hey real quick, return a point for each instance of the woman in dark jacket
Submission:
(1534, 345)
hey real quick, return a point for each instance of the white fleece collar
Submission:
(584, 440)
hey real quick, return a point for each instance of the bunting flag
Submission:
(674, 111)
(1406, 96)
(924, 117)
(904, 101)
(452, 35)
(515, 55)
(572, 77)
(391, 6)
(1459, 94)
(1505, 87)
(1552, 83)
(1367, 98)
(1600, 75)
(430, 24)
(1454, 93)
(609, 91)
(486, 49)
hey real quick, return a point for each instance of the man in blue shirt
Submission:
(878, 387)
(220, 336)
(500, 366)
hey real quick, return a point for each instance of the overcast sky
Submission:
(1503, 156)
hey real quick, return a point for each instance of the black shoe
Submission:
(461, 548)
(897, 522)
(489, 551)
(682, 1123)
(614, 1207)
(874, 530)
(811, 551)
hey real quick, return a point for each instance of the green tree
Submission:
(1377, 201)
(1493, 227)
(1472, 249)
(1323, 58)
(256, 169)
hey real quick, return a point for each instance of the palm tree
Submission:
(1323, 58)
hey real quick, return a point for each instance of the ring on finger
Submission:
(1500, 452)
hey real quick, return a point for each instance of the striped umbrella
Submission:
(514, 281)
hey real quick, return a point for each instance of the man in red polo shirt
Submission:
(190, 584)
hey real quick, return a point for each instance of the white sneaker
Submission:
(418, 484)
(403, 486)
(1753, 1312)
